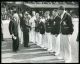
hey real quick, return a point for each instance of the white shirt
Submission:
(32, 21)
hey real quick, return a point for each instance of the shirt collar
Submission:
(63, 14)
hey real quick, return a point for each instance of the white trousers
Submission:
(20, 34)
(57, 44)
(37, 37)
(49, 40)
(40, 39)
(32, 35)
(65, 47)
(53, 43)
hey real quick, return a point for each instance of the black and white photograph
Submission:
(39, 32)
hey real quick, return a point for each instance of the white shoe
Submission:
(56, 54)
(45, 48)
(60, 57)
(49, 49)
(68, 61)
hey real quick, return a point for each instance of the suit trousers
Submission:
(15, 44)
(26, 37)
(65, 47)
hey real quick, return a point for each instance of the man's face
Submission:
(25, 15)
(46, 14)
(61, 11)
(33, 13)
(37, 15)
(54, 13)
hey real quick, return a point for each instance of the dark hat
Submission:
(61, 8)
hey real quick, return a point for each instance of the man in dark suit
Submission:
(65, 30)
(1, 32)
(13, 29)
(26, 27)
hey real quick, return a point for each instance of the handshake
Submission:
(14, 37)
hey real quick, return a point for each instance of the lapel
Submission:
(64, 16)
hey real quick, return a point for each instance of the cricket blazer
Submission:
(37, 25)
(66, 25)
(55, 25)
(13, 27)
(48, 25)
(41, 27)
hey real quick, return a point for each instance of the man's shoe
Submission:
(26, 46)
(59, 57)
(68, 61)
(15, 51)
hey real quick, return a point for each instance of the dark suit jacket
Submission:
(65, 27)
(37, 25)
(13, 27)
(41, 28)
(66, 24)
(23, 25)
(55, 25)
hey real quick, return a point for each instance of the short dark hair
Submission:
(55, 10)
(61, 8)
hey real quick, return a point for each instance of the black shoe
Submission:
(2, 39)
(26, 46)
(15, 51)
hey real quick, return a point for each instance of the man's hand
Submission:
(14, 37)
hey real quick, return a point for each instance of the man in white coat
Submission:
(32, 32)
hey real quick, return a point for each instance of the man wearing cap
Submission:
(65, 30)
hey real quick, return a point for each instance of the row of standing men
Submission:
(49, 32)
